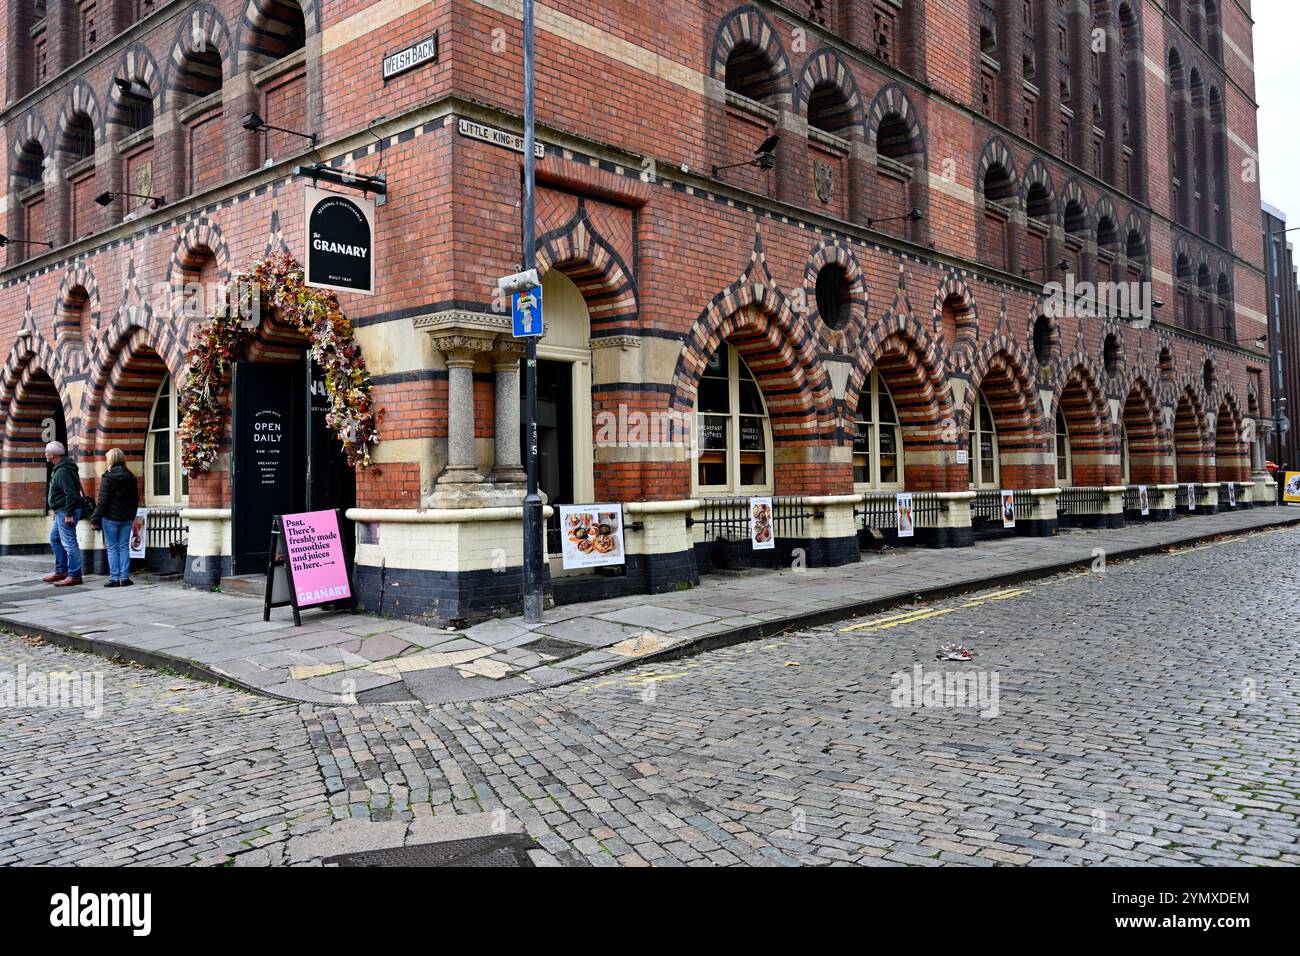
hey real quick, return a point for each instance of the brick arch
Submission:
(202, 25)
(912, 364)
(77, 278)
(827, 66)
(893, 100)
(120, 394)
(160, 334)
(1231, 456)
(1190, 439)
(1073, 191)
(31, 129)
(30, 394)
(256, 43)
(1134, 222)
(780, 350)
(589, 259)
(80, 98)
(846, 339)
(1082, 401)
(966, 330)
(198, 235)
(1105, 209)
(1001, 374)
(1148, 440)
(996, 153)
(1037, 173)
(136, 63)
(747, 25)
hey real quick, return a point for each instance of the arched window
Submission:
(130, 117)
(198, 97)
(165, 481)
(1061, 451)
(878, 441)
(78, 166)
(751, 73)
(278, 33)
(28, 181)
(983, 452)
(733, 434)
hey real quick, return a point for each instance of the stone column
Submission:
(509, 469)
(460, 350)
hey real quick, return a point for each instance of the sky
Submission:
(1277, 79)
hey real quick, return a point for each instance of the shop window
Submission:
(878, 440)
(733, 434)
(166, 482)
(983, 450)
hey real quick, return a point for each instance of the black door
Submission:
(554, 439)
(268, 456)
(330, 482)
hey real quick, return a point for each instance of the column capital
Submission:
(460, 347)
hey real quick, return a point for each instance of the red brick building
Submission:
(863, 310)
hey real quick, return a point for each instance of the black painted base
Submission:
(206, 571)
(440, 597)
(712, 556)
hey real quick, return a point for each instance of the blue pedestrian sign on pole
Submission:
(526, 307)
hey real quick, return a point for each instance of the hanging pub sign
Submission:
(340, 242)
(593, 535)
(761, 537)
(307, 565)
(906, 517)
(1008, 509)
(1144, 500)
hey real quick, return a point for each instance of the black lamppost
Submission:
(533, 596)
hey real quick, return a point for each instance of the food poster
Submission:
(591, 535)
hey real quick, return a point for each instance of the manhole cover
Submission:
(504, 850)
(554, 647)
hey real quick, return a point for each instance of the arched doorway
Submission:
(34, 416)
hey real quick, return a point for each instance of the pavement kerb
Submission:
(154, 660)
(194, 670)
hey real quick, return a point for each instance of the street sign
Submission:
(526, 310)
(1284, 424)
(518, 282)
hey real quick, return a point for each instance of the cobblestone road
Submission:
(1144, 715)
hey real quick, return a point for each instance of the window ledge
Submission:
(278, 68)
(751, 106)
(828, 139)
(31, 192)
(79, 167)
(897, 167)
(135, 139)
(211, 101)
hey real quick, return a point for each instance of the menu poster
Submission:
(138, 542)
(1291, 487)
(761, 536)
(1232, 494)
(1144, 500)
(1008, 509)
(592, 535)
(1191, 496)
(906, 520)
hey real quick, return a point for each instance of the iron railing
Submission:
(727, 519)
(986, 506)
(1080, 502)
(167, 529)
(879, 510)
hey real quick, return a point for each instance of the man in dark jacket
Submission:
(64, 500)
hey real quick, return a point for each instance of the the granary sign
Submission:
(340, 242)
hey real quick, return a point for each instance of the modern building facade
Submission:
(994, 246)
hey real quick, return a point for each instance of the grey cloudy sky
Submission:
(1277, 80)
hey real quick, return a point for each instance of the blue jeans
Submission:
(63, 539)
(117, 539)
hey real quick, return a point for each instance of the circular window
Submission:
(1043, 339)
(1111, 354)
(833, 296)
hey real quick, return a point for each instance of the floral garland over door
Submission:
(279, 283)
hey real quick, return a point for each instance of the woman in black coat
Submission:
(115, 512)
